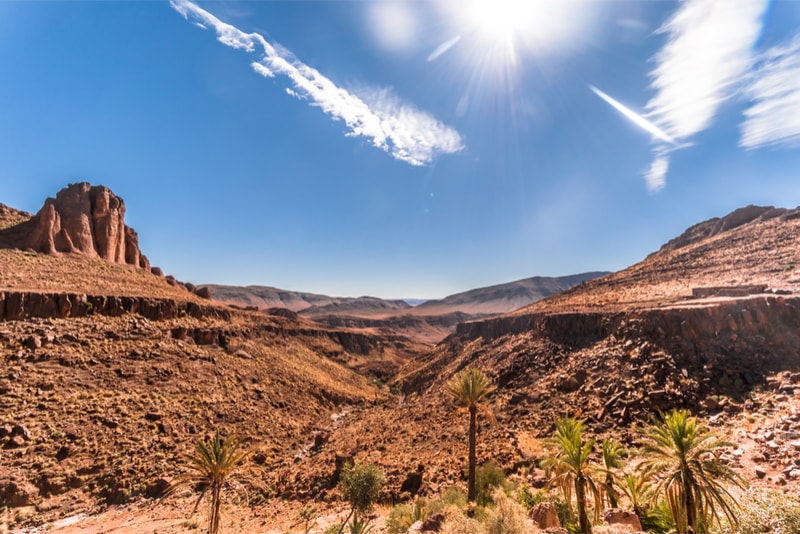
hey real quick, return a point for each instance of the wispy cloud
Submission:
(634, 117)
(656, 175)
(774, 116)
(399, 128)
(708, 50)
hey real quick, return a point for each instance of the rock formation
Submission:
(82, 219)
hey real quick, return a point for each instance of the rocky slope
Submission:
(614, 351)
(110, 373)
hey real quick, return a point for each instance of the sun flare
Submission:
(500, 19)
(514, 25)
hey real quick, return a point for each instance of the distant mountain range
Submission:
(482, 301)
(427, 322)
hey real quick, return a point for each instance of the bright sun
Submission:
(500, 19)
(537, 25)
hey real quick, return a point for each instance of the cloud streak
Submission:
(634, 117)
(774, 115)
(707, 52)
(408, 134)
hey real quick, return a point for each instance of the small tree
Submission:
(360, 486)
(612, 460)
(210, 466)
(469, 389)
(679, 453)
(571, 471)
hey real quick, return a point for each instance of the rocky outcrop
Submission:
(773, 318)
(21, 305)
(718, 225)
(81, 219)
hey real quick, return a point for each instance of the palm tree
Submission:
(571, 469)
(636, 487)
(613, 453)
(469, 388)
(210, 466)
(679, 452)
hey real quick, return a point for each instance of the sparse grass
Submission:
(30, 271)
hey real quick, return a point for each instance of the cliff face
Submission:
(82, 219)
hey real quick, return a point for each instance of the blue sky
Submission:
(405, 148)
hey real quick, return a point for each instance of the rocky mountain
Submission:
(504, 298)
(265, 297)
(81, 219)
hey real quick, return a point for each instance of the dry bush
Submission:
(506, 517)
(613, 529)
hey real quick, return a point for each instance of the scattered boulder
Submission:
(203, 292)
(545, 516)
(413, 482)
(14, 493)
(434, 523)
(618, 516)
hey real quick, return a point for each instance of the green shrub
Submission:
(404, 515)
(453, 496)
(488, 477)
(658, 518)
(529, 499)
(359, 526)
(360, 486)
(766, 511)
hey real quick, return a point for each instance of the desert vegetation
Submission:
(210, 468)
(672, 481)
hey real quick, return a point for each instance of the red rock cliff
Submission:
(82, 219)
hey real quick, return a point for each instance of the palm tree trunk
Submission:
(691, 512)
(213, 521)
(612, 493)
(346, 519)
(473, 423)
(580, 495)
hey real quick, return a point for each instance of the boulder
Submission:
(17, 493)
(618, 516)
(545, 516)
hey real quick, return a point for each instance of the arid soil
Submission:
(97, 410)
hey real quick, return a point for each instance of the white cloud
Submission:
(656, 175)
(399, 128)
(262, 70)
(774, 116)
(708, 50)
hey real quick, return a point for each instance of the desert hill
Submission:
(504, 298)
(427, 323)
(265, 297)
